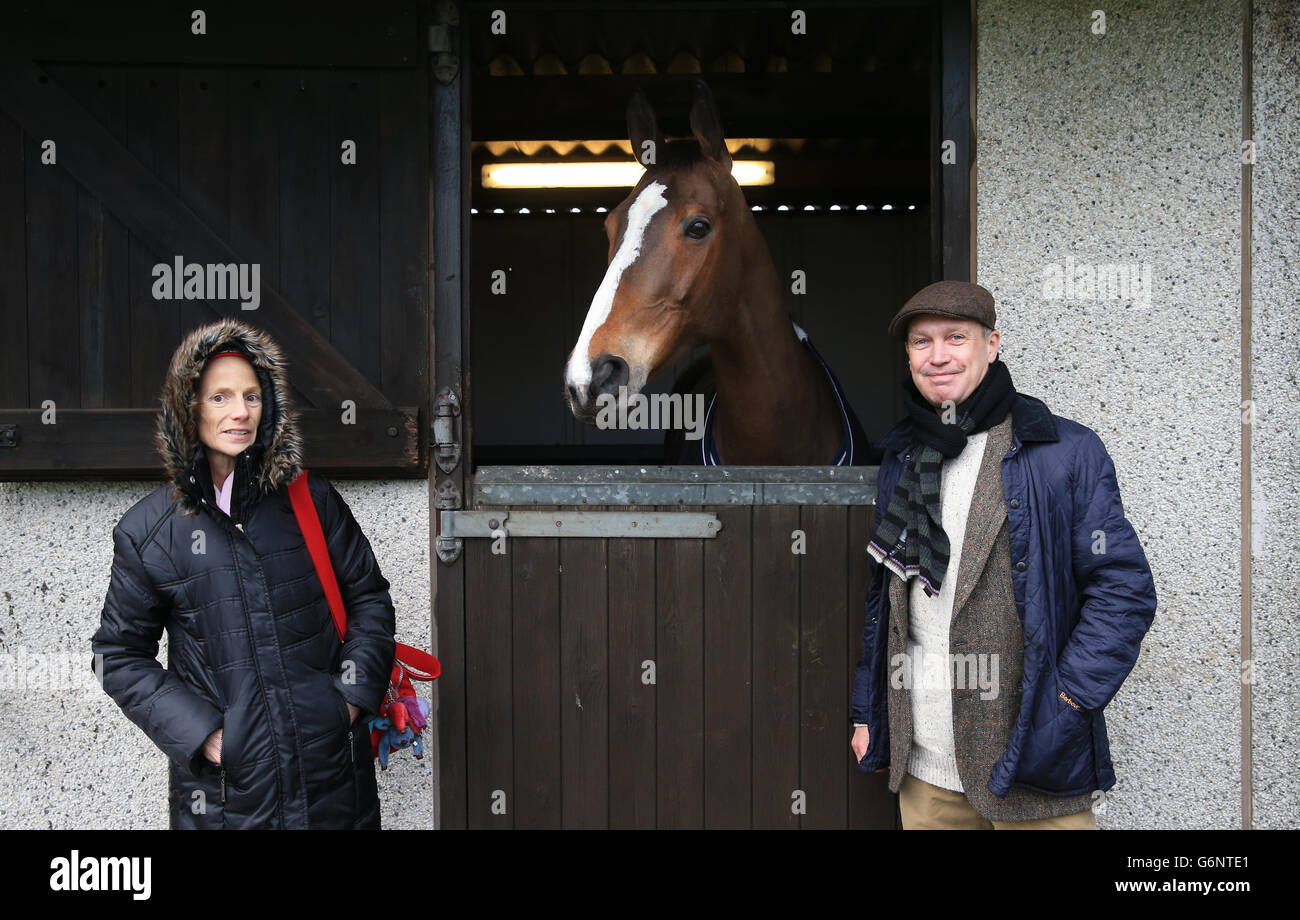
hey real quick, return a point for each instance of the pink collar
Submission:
(223, 493)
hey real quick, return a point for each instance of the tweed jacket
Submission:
(985, 631)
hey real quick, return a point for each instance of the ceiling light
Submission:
(602, 175)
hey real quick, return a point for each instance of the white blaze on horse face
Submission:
(647, 204)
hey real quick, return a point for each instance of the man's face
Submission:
(948, 357)
(230, 405)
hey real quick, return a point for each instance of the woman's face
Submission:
(230, 406)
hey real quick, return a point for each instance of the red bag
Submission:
(408, 664)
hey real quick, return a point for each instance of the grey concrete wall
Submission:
(71, 758)
(1275, 463)
(1124, 148)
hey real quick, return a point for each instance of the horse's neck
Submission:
(775, 405)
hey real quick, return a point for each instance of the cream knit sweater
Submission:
(933, 757)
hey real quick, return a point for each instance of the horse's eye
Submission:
(698, 229)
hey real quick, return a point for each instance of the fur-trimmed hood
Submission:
(274, 459)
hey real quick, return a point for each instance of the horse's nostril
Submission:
(609, 372)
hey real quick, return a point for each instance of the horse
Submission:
(688, 266)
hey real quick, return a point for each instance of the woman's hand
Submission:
(212, 747)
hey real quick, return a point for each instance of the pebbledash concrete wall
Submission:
(1275, 465)
(1121, 149)
(1092, 150)
(69, 757)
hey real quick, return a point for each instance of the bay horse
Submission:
(687, 266)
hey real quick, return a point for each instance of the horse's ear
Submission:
(642, 127)
(707, 126)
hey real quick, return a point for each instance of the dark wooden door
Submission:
(669, 682)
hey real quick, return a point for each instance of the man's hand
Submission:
(352, 713)
(861, 741)
(212, 747)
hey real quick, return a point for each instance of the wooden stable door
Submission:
(620, 681)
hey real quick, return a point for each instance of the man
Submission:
(1012, 595)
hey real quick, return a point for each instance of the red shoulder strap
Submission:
(304, 509)
(415, 660)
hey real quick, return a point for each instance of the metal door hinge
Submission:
(446, 499)
(442, 44)
(446, 430)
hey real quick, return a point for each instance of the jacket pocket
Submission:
(351, 733)
(231, 736)
(341, 703)
(1057, 756)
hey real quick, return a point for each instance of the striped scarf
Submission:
(912, 525)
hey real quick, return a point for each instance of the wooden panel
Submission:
(145, 201)
(102, 282)
(733, 726)
(52, 321)
(354, 253)
(955, 125)
(253, 152)
(380, 33)
(444, 280)
(534, 566)
(489, 703)
(450, 691)
(405, 205)
(632, 702)
(728, 675)
(584, 681)
(776, 667)
(13, 265)
(824, 698)
(204, 172)
(679, 581)
(305, 155)
(123, 442)
(151, 137)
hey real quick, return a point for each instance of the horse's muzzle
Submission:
(608, 373)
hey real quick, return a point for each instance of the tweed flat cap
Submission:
(959, 299)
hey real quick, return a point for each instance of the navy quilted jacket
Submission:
(1083, 592)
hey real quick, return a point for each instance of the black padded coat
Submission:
(252, 647)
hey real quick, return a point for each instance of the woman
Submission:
(258, 710)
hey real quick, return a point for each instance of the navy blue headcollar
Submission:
(848, 449)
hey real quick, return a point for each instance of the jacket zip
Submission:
(356, 790)
(204, 501)
(257, 668)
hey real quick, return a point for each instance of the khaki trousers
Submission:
(925, 807)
